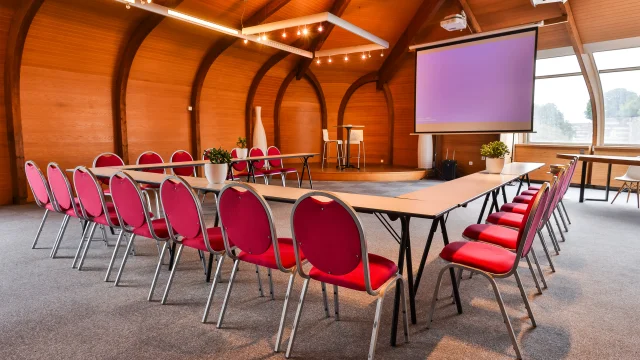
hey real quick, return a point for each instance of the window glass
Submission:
(557, 66)
(560, 112)
(621, 107)
(617, 59)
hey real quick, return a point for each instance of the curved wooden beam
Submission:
(121, 79)
(210, 57)
(281, 92)
(363, 80)
(18, 31)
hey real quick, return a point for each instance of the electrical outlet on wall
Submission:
(470, 163)
(483, 158)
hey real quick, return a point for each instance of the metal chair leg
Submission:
(336, 302)
(564, 223)
(226, 296)
(435, 296)
(505, 317)
(124, 259)
(376, 327)
(535, 260)
(324, 299)
(158, 267)
(259, 281)
(285, 308)
(533, 274)
(44, 218)
(546, 251)
(565, 211)
(555, 217)
(104, 235)
(115, 254)
(86, 231)
(86, 246)
(214, 284)
(296, 320)
(56, 244)
(298, 180)
(270, 284)
(554, 241)
(283, 176)
(524, 298)
(173, 272)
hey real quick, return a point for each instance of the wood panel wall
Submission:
(300, 119)
(7, 10)
(467, 148)
(599, 172)
(405, 146)
(547, 154)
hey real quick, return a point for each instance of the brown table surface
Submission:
(203, 162)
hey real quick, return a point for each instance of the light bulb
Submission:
(264, 36)
(363, 56)
(346, 58)
(305, 31)
(298, 32)
(127, 6)
(318, 61)
(320, 28)
(329, 59)
(246, 41)
(369, 54)
(148, 1)
(381, 53)
(284, 34)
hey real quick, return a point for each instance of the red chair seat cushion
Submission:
(380, 270)
(535, 187)
(159, 228)
(498, 235)
(102, 219)
(506, 219)
(524, 199)
(482, 256)
(529, 192)
(518, 208)
(215, 240)
(268, 258)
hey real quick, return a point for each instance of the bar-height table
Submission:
(430, 203)
(250, 160)
(606, 159)
(349, 127)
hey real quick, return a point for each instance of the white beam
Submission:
(349, 50)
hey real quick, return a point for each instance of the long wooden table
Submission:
(429, 203)
(606, 159)
(250, 160)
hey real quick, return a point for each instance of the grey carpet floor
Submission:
(49, 311)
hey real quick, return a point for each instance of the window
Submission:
(560, 96)
(620, 79)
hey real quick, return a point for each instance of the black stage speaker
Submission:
(449, 168)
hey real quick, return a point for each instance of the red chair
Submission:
(276, 167)
(105, 160)
(182, 156)
(94, 208)
(135, 219)
(329, 233)
(65, 203)
(252, 238)
(150, 158)
(495, 262)
(260, 165)
(41, 193)
(240, 169)
(186, 225)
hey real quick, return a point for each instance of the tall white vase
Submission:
(259, 136)
(425, 151)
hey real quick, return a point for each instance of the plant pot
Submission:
(495, 165)
(242, 153)
(215, 173)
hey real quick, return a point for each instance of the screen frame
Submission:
(456, 42)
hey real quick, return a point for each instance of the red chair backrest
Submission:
(107, 159)
(328, 233)
(182, 156)
(246, 219)
(60, 188)
(89, 192)
(569, 176)
(180, 208)
(272, 151)
(533, 216)
(240, 165)
(37, 183)
(150, 157)
(128, 201)
(257, 152)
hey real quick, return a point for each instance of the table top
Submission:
(204, 162)
(610, 159)
(349, 126)
(361, 203)
(461, 191)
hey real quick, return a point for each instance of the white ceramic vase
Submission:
(259, 136)
(242, 153)
(215, 173)
(495, 165)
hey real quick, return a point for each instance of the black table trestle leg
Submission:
(407, 234)
(504, 194)
(520, 185)
(452, 273)
(484, 206)
(607, 188)
(396, 302)
(306, 164)
(583, 180)
(528, 180)
(423, 261)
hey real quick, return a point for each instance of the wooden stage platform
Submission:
(375, 172)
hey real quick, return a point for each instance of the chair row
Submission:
(328, 243)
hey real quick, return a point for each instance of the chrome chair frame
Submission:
(283, 175)
(194, 173)
(56, 205)
(157, 214)
(38, 202)
(380, 293)
(325, 148)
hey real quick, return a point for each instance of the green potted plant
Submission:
(495, 152)
(216, 170)
(241, 149)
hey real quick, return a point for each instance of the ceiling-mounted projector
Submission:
(539, 2)
(454, 22)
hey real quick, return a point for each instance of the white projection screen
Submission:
(481, 84)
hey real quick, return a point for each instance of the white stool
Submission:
(357, 138)
(325, 150)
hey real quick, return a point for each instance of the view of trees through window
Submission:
(621, 107)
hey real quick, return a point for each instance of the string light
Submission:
(284, 34)
(329, 61)
(346, 57)
(127, 6)
(246, 41)
(305, 31)
(298, 33)
(264, 37)
(318, 61)
(363, 56)
(320, 28)
(381, 53)
(369, 54)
